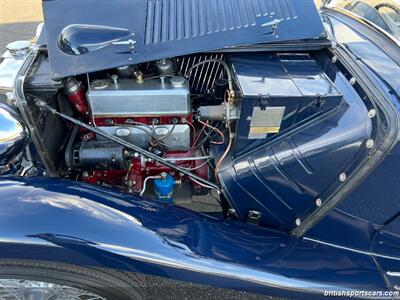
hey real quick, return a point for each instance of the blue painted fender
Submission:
(70, 222)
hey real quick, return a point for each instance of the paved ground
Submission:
(16, 31)
(18, 20)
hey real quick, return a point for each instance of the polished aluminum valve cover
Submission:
(130, 98)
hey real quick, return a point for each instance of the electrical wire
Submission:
(194, 130)
(228, 148)
(168, 134)
(201, 184)
(215, 130)
(198, 137)
(151, 132)
(43, 105)
(198, 167)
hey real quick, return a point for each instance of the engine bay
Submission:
(154, 108)
(241, 127)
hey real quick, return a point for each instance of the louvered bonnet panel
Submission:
(155, 29)
(170, 20)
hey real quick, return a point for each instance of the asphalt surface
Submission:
(12, 32)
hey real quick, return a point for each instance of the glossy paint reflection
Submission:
(101, 227)
(283, 175)
(79, 39)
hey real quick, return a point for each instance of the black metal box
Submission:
(277, 92)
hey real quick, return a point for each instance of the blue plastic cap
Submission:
(164, 188)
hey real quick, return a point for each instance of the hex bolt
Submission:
(318, 202)
(298, 222)
(369, 144)
(342, 177)
(372, 113)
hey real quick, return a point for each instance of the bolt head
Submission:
(372, 113)
(298, 222)
(342, 177)
(318, 202)
(369, 144)
(352, 81)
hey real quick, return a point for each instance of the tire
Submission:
(106, 283)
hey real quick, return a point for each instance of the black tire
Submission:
(106, 283)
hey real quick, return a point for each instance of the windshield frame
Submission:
(359, 18)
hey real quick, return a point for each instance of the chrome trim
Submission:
(9, 68)
(350, 249)
(369, 23)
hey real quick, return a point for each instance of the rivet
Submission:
(298, 222)
(342, 177)
(369, 144)
(352, 81)
(372, 113)
(334, 59)
(318, 202)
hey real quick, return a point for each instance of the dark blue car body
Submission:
(351, 243)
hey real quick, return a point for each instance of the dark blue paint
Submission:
(99, 227)
(83, 39)
(390, 270)
(375, 201)
(171, 28)
(57, 220)
(384, 199)
(283, 176)
(344, 229)
(368, 219)
(379, 55)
